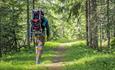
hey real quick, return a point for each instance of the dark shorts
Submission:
(39, 35)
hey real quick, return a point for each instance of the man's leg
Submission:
(42, 39)
(38, 49)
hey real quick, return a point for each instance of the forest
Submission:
(82, 35)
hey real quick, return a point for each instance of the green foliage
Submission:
(10, 25)
(67, 23)
(113, 42)
(61, 26)
(83, 58)
(98, 63)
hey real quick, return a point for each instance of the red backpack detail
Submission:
(35, 20)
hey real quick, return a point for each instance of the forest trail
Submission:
(57, 59)
(60, 56)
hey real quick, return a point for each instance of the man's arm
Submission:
(47, 29)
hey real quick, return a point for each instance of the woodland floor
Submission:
(56, 65)
(60, 56)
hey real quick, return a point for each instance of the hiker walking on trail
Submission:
(40, 29)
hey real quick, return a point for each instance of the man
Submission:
(41, 28)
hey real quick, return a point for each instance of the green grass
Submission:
(83, 58)
(76, 57)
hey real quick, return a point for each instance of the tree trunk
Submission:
(28, 25)
(114, 31)
(33, 5)
(108, 24)
(14, 31)
(94, 25)
(100, 34)
(113, 26)
(0, 38)
(91, 25)
(87, 22)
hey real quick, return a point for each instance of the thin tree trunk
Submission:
(108, 24)
(0, 38)
(0, 51)
(93, 25)
(33, 5)
(113, 21)
(87, 35)
(28, 25)
(114, 31)
(113, 26)
(89, 22)
(100, 35)
(14, 32)
(15, 42)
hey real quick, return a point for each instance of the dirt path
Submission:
(59, 55)
(58, 59)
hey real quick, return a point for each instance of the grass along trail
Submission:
(60, 56)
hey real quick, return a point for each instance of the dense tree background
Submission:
(90, 20)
